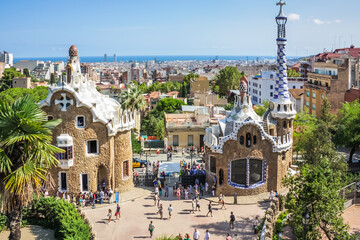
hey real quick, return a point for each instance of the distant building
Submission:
(253, 69)
(8, 58)
(352, 94)
(297, 96)
(2, 68)
(204, 99)
(28, 64)
(334, 74)
(21, 82)
(262, 87)
(199, 85)
(176, 78)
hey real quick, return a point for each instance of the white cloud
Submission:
(337, 21)
(294, 17)
(318, 21)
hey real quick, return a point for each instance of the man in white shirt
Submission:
(207, 235)
(196, 235)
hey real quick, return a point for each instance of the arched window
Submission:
(221, 176)
(247, 172)
(248, 140)
(254, 139)
(290, 124)
(242, 140)
(212, 164)
(278, 108)
(285, 108)
(284, 124)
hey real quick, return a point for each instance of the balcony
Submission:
(65, 164)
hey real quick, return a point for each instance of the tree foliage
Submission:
(348, 127)
(169, 105)
(13, 94)
(160, 129)
(133, 99)
(227, 79)
(136, 145)
(261, 109)
(26, 72)
(292, 73)
(189, 77)
(8, 75)
(26, 155)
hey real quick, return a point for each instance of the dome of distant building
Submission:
(73, 51)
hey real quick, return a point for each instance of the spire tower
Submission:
(281, 105)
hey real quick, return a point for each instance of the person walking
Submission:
(271, 195)
(170, 209)
(151, 228)
(232, 220)
(228, 237)
(109, 216)
(178, 194)
(111, 192)
(166, 191)
(196, 234)
(223, 203)
(213, 189)
(210, 209)
(193, 205)
(161, 211)
(255, 224)
(117, 213)
(206, 187)
(155, 199)
(187, 237)
(101, 197)
(180, 237)
(197, 204)
(207, 235)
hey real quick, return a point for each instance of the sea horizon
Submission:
(162, 58)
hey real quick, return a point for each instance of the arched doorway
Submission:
(102, 178)
(221, 176)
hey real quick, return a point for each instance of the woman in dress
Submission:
(178, 193)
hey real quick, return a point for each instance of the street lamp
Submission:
(306, 220)
(191, 154)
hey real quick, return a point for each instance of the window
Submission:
(260, 93)
(313, 106)
(271, 94)
(126, 168)
(190, 140)
(176, 140)
(248, 140)
(283, 156)
(247, 172)
(307, 93)
(80, 121)
(212, 164)
(242, 140)
(92, 147)
(254, 140)
(294, 87)
(259, 85)
(322, 96)
(271, 76)
(271, 86)
(84, 182)
(68, 154)
(290, 124)
(49, 118)
(284, 124)
(314, 95)
(63, 182)
(307, 104)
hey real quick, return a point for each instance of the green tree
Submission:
(189, 77)
(133, 100)
(8, 75)
(348, 127)
(26, 155)
(26, 72)
(228, 78)
(159, 131)
(52, 79)
(12, 94)
(261, 109)
(135, 143)
(184, 92)
(169, 105)
(316, 188)
(292, 73)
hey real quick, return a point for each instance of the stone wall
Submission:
(232, 150)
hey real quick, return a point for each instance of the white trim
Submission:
(67, 184)
(76, 121)
(81, 183)
(97, 147)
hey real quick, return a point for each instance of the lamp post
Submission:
(191, 154)
(306, 220)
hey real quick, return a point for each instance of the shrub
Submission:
(58, 215)
(3, 219)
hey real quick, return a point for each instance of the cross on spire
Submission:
(64, 102)
(281, 3)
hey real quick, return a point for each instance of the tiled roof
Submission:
(296, 93)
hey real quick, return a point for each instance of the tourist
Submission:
(111, 192)
(207, 235)
(174, 191)
(170, 209)
(166, 191)
(255, 224)
(187, 237)
(155, 199)
(156, 190)
(190, 189)
(160, 190)
(183, 152)
(158, 151)
(80, 201)
(197, 204)
(213, 190)
(276, 194)
(161, 211)
(151, 228)
(155, 182)
(104, 185)
(228, 237)
(196, 234)
(109, 215)
(180, 237)
(210, 209)
(163, 174)
(232, 220)
(202, 189)
(101, 197)
(68, 197)
(158, 203)
(117, 213)
(271, 196)
(178, 194)
(223, 203)
(186, 194)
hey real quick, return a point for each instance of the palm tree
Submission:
(26, 154)
(133, 100)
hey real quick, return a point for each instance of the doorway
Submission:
(201, 141)
(221, 176)
(102, 177)
(84, 182)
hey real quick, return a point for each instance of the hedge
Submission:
(58, 215)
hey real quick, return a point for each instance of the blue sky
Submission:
(169, 27)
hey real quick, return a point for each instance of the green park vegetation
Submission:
(12, 94)
(292, 73)
(323, 172)
(7, 77)
(228, 79)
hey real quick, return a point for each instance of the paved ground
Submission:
(136, 215)
(351, 217)
(32, 233)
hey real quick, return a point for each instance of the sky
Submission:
(167, 27)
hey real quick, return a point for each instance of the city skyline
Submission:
(144, 28)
